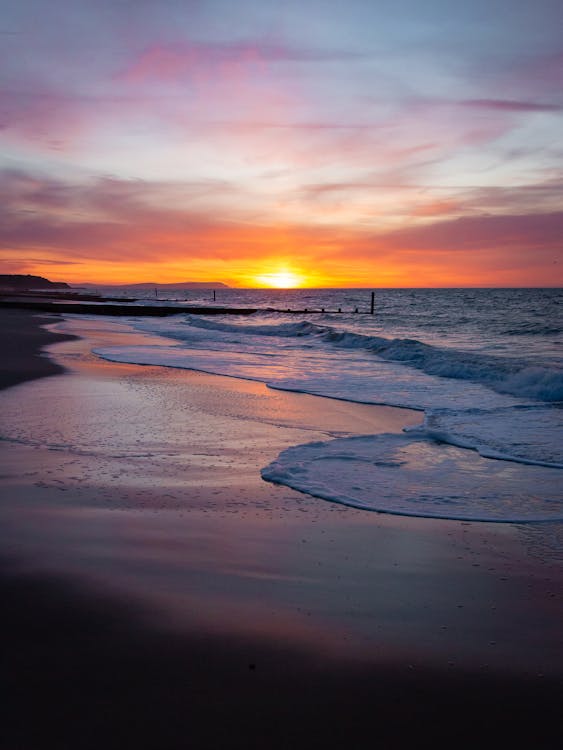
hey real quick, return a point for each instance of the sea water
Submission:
(483, 366)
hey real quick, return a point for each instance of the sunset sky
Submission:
(358, 143)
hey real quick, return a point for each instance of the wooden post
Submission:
(372, 303)
(214, 295)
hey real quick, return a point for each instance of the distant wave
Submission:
(300, 328)
(533, 330)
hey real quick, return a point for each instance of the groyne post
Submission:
(372, 308)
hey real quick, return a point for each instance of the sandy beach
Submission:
(159, 594)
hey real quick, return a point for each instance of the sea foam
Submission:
(508, 375)
(411, 475)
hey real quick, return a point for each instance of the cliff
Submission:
(20, 282)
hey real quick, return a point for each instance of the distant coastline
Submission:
(28, 282)
(21, 282)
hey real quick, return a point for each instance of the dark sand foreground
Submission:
(22, 339)
(168, 598)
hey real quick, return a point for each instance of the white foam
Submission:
(528, 434)
(348, 375)
(414, 476)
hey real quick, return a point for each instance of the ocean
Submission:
(483, 366)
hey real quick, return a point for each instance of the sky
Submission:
(366, 143)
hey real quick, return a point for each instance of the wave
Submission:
(285, 330)
(504, 375)
(512, 376)
(533, 330)
(498, 433)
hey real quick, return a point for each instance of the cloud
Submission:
(100, 216)
(538, 75)
(518, 77)
(437, 208)
(525, 231)
(505, 105)
(28, 264)
(534, 198)
(127, 226)
(39, 115)
(173, 60)
(40, 261)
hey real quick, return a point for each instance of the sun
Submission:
(282, 279)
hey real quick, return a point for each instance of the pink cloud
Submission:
(40, 115)
(172, 60)
(525, 80)
(99, 216)
(437, 208)
(526, 231)
(505, 105)
(540, 76)
(50, 120)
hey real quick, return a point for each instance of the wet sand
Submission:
(159, 594)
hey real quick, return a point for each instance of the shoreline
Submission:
(251, 616)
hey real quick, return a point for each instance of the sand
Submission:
(159, 594)
(22, 337)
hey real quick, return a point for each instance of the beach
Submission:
(160, 594)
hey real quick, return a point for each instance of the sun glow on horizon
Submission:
(282, 279)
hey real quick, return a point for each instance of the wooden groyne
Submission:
(83, 308)
(94, 305)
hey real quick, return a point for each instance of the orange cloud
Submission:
(437, 208)
(113, 231)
